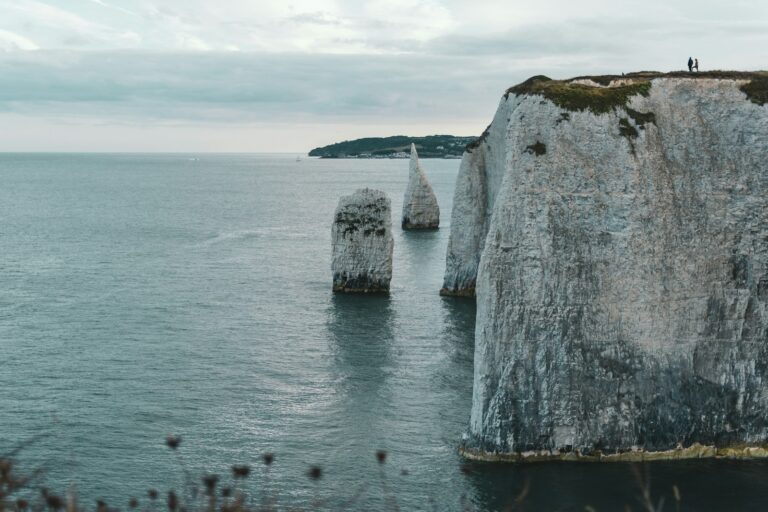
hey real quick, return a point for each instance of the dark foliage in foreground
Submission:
(210, 493)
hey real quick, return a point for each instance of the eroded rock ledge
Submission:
(695, 451)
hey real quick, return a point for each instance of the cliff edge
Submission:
(615, 230)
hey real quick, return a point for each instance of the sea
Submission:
(152, 295)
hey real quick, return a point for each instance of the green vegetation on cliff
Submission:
(575, 95)
(398, 146)
(757, 89)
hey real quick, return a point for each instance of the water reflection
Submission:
(424, 243)
(458, 343)
(362, 336)
(360, 328)
(566, 486)
(459, 314)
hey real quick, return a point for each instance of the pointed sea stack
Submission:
(362, 243)
(420, 209)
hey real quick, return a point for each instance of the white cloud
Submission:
(10, 42)
(188, 42)
(54, 27)
(115, 7)
(371, 27)
(408, 63)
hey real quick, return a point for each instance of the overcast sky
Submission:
(254, 75)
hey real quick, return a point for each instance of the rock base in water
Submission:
(458, 292)
(346, 283)
(362, 243)
(695, 451)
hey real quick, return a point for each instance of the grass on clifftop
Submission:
(599, 100)
(570, 96)
(757, 89)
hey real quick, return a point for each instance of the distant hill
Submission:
(398, 146)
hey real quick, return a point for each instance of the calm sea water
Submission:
(144, 295)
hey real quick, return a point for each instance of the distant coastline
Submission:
(398, 146)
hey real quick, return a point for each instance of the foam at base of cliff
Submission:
(623, 286)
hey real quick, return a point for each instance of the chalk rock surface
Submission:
(420, 209)
(620, 237)
(362, 243)
(480, 173)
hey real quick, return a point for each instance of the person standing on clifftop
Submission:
(690, 64)
(696, 64)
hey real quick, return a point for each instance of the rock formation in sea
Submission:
(420, 209)
(618, 232)
(362, 243)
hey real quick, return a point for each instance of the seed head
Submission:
(152, 493)
(269, 458)
(5, 470)
(381, 456)
(173, 502)
(210, 482)
(241, 471)
(133, 503)
(173, 442)
(54, 502)
(315, 473)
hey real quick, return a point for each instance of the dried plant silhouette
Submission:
(226, 493)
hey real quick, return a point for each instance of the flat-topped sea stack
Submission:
(615, 230)
(420, 209)
(362, 243)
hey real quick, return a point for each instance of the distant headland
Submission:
(397, 146)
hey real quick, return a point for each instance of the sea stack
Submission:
(617, 232)
(420, 209)
(362, 243)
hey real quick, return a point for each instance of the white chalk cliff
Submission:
(420, 209)
(616, 236)
(480, 173)
(362, 243)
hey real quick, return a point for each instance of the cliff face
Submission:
(622, 284)
(362, 243)
(480, 174)
(420, 209)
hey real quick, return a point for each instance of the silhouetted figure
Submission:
(696, 65)
(690, 64)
